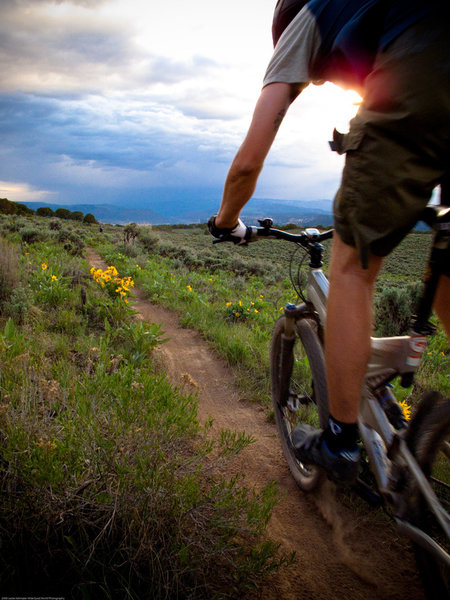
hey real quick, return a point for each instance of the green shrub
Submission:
(128, 250)
(12, 341)
(140, 339)
(9, 271)
(71, 242)
(55, 225)
(18, 304)
(394, 307)
(32, 235)
(50, 289)
(148, 240)
(14, 224)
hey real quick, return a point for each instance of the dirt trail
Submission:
(339, 554)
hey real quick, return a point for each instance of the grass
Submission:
(107, 484)
(233, 297)
(105, 474)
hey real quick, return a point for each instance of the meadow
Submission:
(234, 295)
(106, 477)
(106, 484)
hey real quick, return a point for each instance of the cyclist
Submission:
(397, 55)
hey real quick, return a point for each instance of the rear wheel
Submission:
(299, 390)
(430, 444)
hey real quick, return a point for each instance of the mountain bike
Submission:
(405, 466)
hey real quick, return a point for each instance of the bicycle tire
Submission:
(430, 444)
(298, 371)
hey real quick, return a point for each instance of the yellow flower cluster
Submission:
(406, 409)
(238, 309)
(44, 267)
(110, 276)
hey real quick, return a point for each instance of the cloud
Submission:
(66, 142)
(20, 4)
(102, 98)
(81, 52)
(50, 53)
(24, 192)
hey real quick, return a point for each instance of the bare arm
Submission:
(240, 184)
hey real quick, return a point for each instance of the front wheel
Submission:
(430, 443)
(299, 390)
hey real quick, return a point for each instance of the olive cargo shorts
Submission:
(398, 146)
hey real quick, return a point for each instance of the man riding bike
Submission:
(396, 53)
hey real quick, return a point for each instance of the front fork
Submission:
(287, 352)
(292, 314)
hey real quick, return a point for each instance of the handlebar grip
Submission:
(251, 235)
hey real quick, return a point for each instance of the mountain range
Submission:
(179, 210)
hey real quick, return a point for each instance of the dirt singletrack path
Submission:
(341, 553)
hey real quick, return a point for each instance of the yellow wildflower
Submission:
(406, 410)
(43, 266)
(54, 278)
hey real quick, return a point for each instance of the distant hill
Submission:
(180, 210)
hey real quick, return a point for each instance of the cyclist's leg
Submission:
(347, 351)
(393, 162)
(348, 328)
(442, 302)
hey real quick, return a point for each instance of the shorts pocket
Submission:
(346, 142)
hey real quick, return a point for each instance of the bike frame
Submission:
(387, 451)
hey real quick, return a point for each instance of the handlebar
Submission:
(309, 237)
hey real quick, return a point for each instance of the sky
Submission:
(108, 101)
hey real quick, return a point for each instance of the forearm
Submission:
(243, 175)
(239, 188)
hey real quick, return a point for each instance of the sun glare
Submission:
(343, 104)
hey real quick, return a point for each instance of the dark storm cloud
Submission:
(84, 104)
(53, 128)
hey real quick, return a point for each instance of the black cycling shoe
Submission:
(311, 449)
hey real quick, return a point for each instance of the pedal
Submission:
(293, 403)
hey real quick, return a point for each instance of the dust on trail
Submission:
(339, 554)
